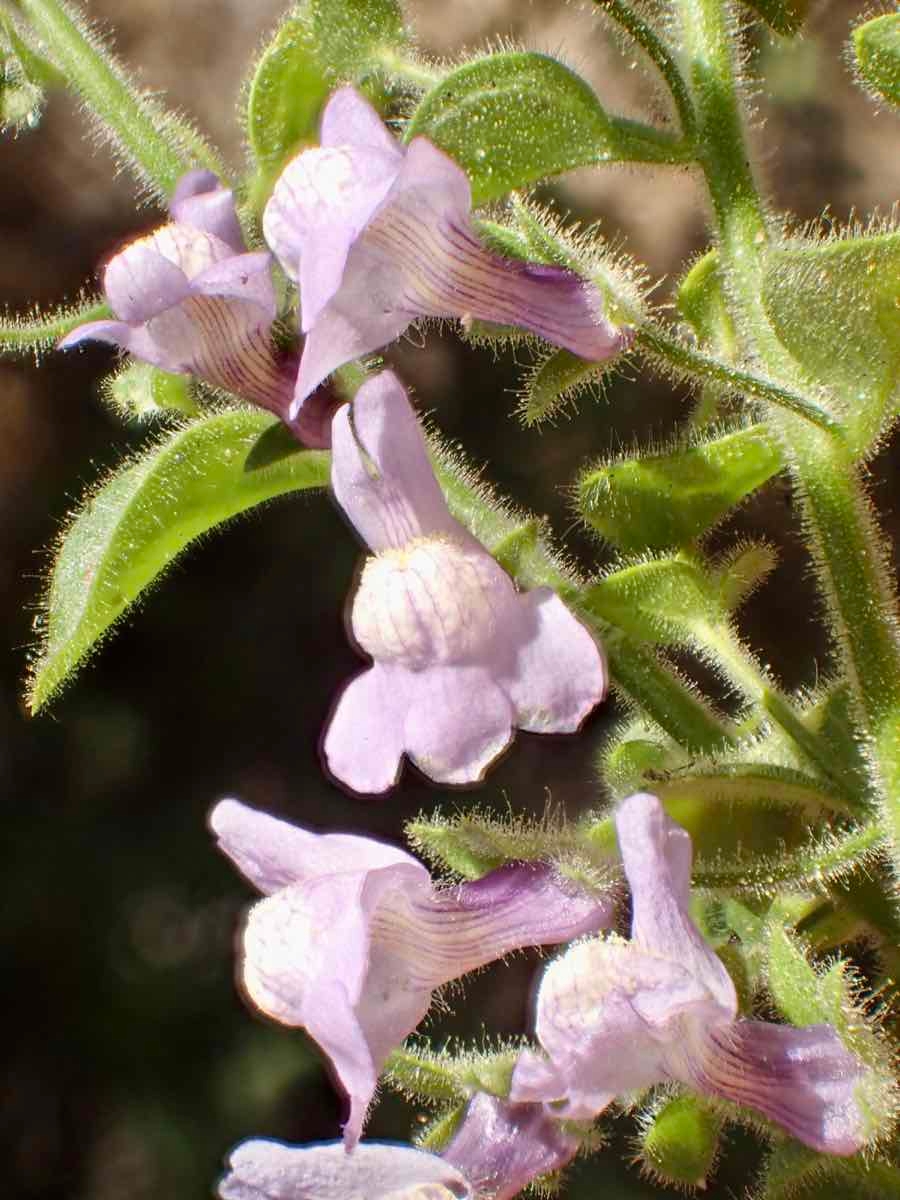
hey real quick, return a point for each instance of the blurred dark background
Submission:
(131, 1063)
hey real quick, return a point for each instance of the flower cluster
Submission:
(374, 237)
(353, 937)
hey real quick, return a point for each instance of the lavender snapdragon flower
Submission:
(460, 657)
(189, 299)
(497, 1150)
(352, 937)
(613, 1016)
(376, 235)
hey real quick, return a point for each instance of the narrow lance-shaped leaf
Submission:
(160, 146)
(134, 525)
(513, 118)
(663, 601)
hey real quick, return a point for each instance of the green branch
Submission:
(41, 331)
(664, 347)
(138, 127)
(846, 545)
(658, 53)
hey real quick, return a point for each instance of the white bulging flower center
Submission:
(431, 601)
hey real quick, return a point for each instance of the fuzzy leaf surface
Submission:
(836, 307)
(286, 94)
(134, 525)
(513, 118)
(351, 34)
(877, 48)
(658, 501)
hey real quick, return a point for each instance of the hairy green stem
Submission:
(401, 66)
(844, 539)
(100, 82)
(663, 346)
(635, 141)
(41, 331)
(664, 696)
(658, 53)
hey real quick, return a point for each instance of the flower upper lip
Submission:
(376, 235)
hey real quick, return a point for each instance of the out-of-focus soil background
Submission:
(131, 1063)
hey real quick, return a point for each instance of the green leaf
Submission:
(877, 47)
(472, 843)
(662, 600)
(512, 118)
(671, 498)
(287, 92)
(784, 16)
(679, 1142)
(353, 35)
(137, 522)
(836, 307)
(25, 77)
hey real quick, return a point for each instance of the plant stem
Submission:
(41, 331)
(410, 69)
(100, 82)
(723, 650)
(658, 53)
(662, 345)
(635, 141)
(664, 696)
(846, 545)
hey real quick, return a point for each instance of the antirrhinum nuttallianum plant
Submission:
(719, 898)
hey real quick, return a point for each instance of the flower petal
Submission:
(307, 964)
(418, 255)
(609, 1016)
(325, 197)
(201, 200)
(560, 670)
(274, 854)
(363, 742)
(503, 1147)
(264, 1170)
(656, 854)
(141, 281)
(115, 333)
(224, 341)
(457, 722)
(424, 231)
(350, 120)
(360, 319)
(381, 474)
(442, 937)
(804, 1079)
(242, 277)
